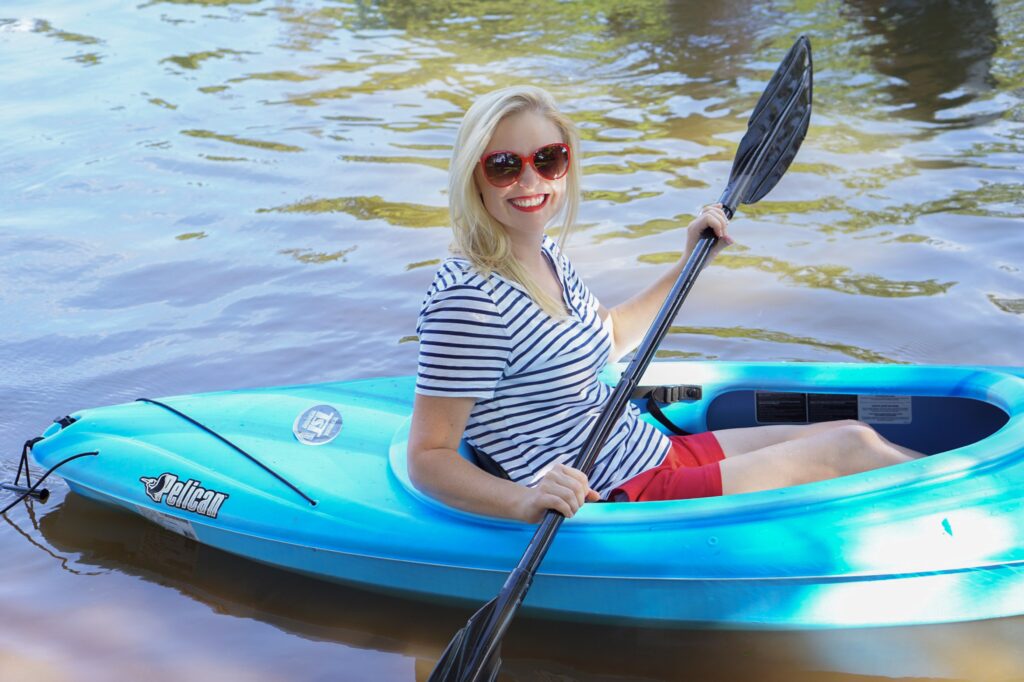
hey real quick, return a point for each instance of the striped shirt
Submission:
(535, 379)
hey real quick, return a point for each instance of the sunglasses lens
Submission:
(502, 168)
(552, 161)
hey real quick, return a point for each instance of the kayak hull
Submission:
(936, 540)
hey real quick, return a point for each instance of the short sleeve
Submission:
(575, 284)
(464, 345)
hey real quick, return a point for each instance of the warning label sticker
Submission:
(808, 408)
(884, 409)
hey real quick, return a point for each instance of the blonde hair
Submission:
(478, 236)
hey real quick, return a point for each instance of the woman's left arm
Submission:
(629, 321)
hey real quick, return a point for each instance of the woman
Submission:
(511, 343)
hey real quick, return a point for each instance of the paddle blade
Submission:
(783, 148)
(775, 129)
(789, 71)
(454, 664)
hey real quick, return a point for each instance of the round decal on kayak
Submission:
(317, 425)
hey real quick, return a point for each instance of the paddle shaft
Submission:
(518, 582)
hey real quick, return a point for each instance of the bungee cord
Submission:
(32, 489)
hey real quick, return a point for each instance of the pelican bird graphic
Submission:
(156, 488)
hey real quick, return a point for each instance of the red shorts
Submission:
(690, 469)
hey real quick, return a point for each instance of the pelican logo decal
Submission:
(190, 495)
(318, 425)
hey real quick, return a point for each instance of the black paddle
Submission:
(774, 133)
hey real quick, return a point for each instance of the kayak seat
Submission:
(655, 417)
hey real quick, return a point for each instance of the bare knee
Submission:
(843, 448)
(858, 432)
(850, 423)
(863, 448)
(822, 429)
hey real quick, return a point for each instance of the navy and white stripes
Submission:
(534, 378)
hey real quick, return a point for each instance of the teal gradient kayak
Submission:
(313, 479)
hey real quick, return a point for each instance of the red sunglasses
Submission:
(502, 169)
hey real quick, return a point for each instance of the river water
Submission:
(210, 195)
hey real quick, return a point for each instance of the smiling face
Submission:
(526, 206)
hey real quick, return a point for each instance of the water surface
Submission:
(209, 195)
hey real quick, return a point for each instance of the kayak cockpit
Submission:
(972, 414)
(928, 424)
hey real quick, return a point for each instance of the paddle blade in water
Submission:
(774, 130)
(453, 666)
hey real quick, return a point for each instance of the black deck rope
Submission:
(210, 431)
(42, 478)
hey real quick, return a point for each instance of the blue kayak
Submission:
(314, 479)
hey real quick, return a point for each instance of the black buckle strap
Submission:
(655, 411)
(668, 395)
(675, 394)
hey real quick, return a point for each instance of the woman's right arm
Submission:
(437, 469)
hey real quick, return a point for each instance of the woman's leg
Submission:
(817, 453)
(744, 440)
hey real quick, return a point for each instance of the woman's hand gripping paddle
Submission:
(774, 133)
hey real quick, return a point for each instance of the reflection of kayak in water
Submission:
(313, 479)
(103, 539)
(98, 535)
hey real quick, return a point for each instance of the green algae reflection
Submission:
(441, 164)
(317, 257)
(245, 142)
(423, 264)
(397, 213)
(989, 199)
(618, 197)
(1014, 306)
(766, 335)
(194, 61)
(43, 26)
(647, 228)
(833, 277)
